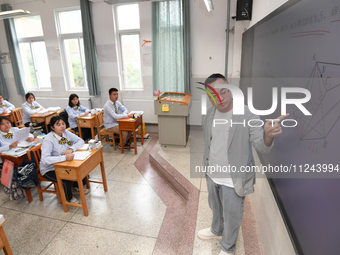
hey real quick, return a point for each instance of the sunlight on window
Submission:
(70, 22)
(28, 26)
(131, 61)
(75, 71)
(128, 16)
(27, 63)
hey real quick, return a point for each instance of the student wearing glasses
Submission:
(74, 110)
(227, 145)
(5, 106)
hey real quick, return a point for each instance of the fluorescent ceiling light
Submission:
(14, 14)
(209, 5)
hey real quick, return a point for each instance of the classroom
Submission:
(159, 152)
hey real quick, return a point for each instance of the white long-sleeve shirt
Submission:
(6, 106)
(110, 116)
(74, 112)
(29, 109)
(52, 151)
(6, 139)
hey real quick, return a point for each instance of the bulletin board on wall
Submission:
(297, 46)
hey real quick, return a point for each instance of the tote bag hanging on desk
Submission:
(7, 173)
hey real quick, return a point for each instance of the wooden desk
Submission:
(17, 162)
(87, 122)
(46, 118)
(130, 125)
(9, 115)
(77, 170)
(4, 244)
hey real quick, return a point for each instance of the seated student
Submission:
(58, 146)
(30, 107)
(5, 106)
(7, 138)
(74, 110)
(114, 110)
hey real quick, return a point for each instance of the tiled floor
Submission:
(124, 220)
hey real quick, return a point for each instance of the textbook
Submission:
(16, 152)
(43, 112)
(7, 173)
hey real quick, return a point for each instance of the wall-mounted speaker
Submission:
(244, 9)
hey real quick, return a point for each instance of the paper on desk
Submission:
(53, 109)
(85, 147)
(137, 112)
(81, 155)
(21, 134)
(24, 144)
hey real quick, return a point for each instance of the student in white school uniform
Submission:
(58, 146)
(113, 111)
(5, 106)
(30, 107)
(7, 137)
(74, 110)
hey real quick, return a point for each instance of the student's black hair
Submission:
(72, 96)
(28, 95)
(4, 118)
(112, 90)
(54, 120)
(212, 78)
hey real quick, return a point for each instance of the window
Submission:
(127, 31)
(33, 52)
(70, 34)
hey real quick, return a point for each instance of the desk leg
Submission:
(102, 169)
(7, 248)
(92, 132)
(135, 140)
(82, 195)
(80, 133)
(121, 141)
(62, 192)
(46, 126)
(142, 130)
(29, 195)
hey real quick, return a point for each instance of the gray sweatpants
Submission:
(227, 208)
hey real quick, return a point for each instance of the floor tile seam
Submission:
(4, 203)
(114, 166)
(76, 211)
(108, 229)
(145, 184)
(53, 238)
(32, 214)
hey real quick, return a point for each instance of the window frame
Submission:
(118, 38)
(31, 40)
(61, 39)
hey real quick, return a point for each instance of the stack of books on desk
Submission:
(16, 152)
(43, 112)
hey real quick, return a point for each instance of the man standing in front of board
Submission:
(227, 142)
